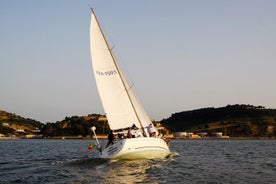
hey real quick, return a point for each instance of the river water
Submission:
(195, 161)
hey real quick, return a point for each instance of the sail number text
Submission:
(106, 73)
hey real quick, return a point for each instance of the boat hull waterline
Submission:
(137, 148)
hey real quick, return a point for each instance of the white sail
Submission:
(121, 106)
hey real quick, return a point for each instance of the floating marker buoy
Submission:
(91, 146)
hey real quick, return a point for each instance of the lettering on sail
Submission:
(106, 73)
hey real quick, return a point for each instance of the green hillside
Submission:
(76, 126)
(14, 125)
(233, 120)
(11, 123)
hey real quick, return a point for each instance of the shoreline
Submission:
(166, 137)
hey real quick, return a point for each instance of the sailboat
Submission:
(124, 112)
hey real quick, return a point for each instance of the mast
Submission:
(119, 72)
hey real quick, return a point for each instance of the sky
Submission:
(181, 55)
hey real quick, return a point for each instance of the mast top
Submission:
(91, 8)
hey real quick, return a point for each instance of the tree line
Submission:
(233, 120)
(236, 120)
(76, 126)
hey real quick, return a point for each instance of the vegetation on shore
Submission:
(76, 126)
(10, 122)
(232, 120)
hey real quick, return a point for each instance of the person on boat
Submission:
(151, 131)
(110, 139)
(129, 135)
(134, 127)
(120, 135)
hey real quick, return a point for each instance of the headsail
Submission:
(121, 106)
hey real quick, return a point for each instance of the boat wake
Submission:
(115, 171)
(173, 154)
(86, 162)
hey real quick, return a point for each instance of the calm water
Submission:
(196, 161)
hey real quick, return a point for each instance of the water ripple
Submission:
(192, 161)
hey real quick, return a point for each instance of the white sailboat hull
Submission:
(137, 148)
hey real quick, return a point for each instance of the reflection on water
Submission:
(127, 171)
(116, 171)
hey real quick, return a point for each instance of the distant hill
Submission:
(233, 120)
(15, 125)
(76, 126)
(11, 123)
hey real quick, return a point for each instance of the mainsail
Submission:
(121, 106)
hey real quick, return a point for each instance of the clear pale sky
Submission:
(181, 54)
